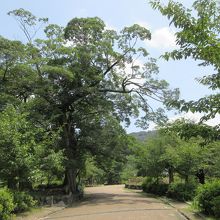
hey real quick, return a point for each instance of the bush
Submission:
(181, 191)
(6, 204)
(216, 206)
(23, 201)
(152, 185)
(208, 198)
(135, 181)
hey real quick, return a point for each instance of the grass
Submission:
(32, 211)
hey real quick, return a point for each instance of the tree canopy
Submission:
(197, 37)
(80, 79)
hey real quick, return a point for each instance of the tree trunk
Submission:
(70, 181)
(186, 179)
(201, 176)
(171, 177)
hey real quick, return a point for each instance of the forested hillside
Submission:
(143, 135)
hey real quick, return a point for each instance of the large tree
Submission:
(79, 76)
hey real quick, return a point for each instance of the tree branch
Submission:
(115, 91)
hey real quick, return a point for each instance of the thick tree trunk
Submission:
(70, 173)
(170, 173)
(70, 183)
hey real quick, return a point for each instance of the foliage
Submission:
(155, 186)
(187, 129)
(135, 181)
(14, 202)
(23, 150)
(165, 154)
(6, 204)
(109, 147)
(186, 158)
(130, 168)
(212, 159)
(197, 37)
(198, 142)
(92, 175)
(23, 201)
(207, 198)
(215, 206)
(76, 78)
(150, 162)
(48, 163)
(181, 191)
(113, 175)
(16, 142)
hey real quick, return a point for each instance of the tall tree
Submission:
(84, 74)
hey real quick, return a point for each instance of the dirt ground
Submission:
(116, 203)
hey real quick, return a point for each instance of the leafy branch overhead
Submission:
(197, 37)
(85, 59)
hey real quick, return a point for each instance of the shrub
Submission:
(23, 201)
(152, 185)
(6, 204)
(181, 191)
(216, 206)
(137, 181)
(208, 198)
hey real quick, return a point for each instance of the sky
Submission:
(117, 14)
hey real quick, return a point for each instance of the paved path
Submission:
(117, 203)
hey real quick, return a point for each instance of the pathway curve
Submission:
(117, 203)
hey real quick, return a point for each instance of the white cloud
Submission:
(196, 118)
(152, 126)
(163, 38)
(214, 121)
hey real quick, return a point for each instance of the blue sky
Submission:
(117, 14)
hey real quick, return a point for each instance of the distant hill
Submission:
(143, 135)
